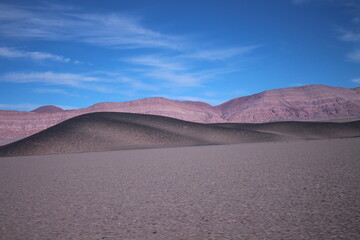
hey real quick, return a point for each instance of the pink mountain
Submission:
(48, 109)
(312, 102)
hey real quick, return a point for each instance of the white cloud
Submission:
(14, 53)
(178, 67)
(53, 91)
(58, 79)
(131, 84)
(10, 53)
(170, 70)
(354, 56)
(157, 62)
(136, 85)
(221, 54)
(44, 56)
(97, 81)
(356, 80)
(349, 36)
(67, 79)
(113, 30)
(178, 79)
(179, 71)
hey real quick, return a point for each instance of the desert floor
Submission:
(283, 190)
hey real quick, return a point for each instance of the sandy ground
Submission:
(294, 190)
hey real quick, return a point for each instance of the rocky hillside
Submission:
(312, 102)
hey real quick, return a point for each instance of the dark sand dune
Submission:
(115, 131)
(302, 130)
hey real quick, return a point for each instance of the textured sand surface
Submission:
(296, 190)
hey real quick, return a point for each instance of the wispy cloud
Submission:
(170, 70)
(349, 36)
(178, 70)
(113, 30)
(98, 81)
(116, 78)
(53, 91)
(221, 54)
(67, 79)
(136, 85)
(356, 80)
(178, 79)
(354, 56)
(14, 53)
(180, 63)
(157, 62)
(58, 79)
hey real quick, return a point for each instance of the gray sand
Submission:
(295, 190)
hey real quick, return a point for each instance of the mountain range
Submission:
(113, 131)
(311, 102)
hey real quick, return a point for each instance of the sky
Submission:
(75, 53)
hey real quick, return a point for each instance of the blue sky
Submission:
(76, 53)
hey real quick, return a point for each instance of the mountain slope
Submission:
(313, 102)
(185, 110)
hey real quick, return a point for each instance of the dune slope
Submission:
(302, 130)
(108, 131)
(113, 131)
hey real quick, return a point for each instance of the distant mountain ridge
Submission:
(311, 102)
(48, 109)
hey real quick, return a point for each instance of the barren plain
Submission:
(284, 190)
